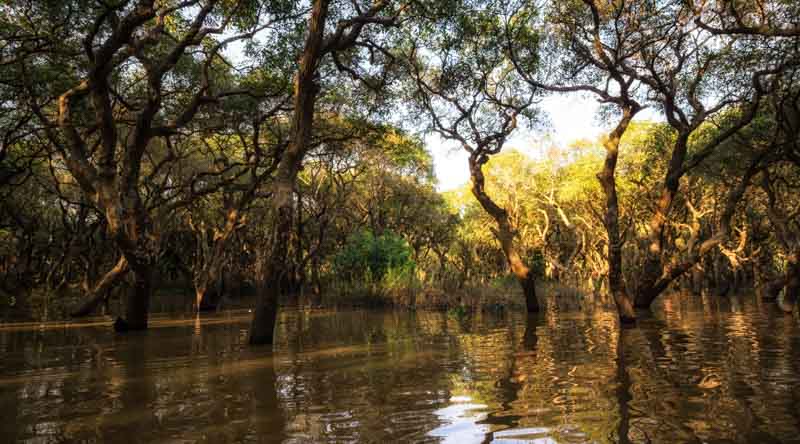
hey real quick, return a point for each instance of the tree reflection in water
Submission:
(727, 372)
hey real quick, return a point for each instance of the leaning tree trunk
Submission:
(505, 233)
(608, 182)
(657, 276)
(209, 275)
(102, 289)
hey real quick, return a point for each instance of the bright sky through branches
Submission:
(571, 117)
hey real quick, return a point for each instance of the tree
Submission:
(473, 98)
(348, 37)
(111, 89)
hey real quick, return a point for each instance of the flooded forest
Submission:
(427, 221)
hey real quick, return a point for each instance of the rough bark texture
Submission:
(657, 276)
(110, 175)
(271, 275)
(101, 290)
(211, 271)
(305, 94)
(505, 234)
(652, 283)
(608, 182)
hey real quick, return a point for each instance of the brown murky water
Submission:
(722, 372)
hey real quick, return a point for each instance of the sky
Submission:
(570, 117)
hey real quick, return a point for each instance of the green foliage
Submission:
(371, 258)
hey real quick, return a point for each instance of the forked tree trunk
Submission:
(209, 275)
(505, 233)
(658, 276)
(651, 284)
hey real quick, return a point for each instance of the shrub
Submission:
(369, 258)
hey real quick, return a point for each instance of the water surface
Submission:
(700, 371)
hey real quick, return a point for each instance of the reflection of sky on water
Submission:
(529, 435)
(460, 422)
(693, 374)
(462, 426)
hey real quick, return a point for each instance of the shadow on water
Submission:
(698, 371)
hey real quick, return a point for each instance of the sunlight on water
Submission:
(700, 371)
(461, 422)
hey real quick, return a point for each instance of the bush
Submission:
(370, 258)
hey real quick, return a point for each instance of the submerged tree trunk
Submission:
(138, 303)
(651, 284)
(658, 276)
(789, 283)
(608, 182)
(769, 290)
(316, 284)
(791, 290)
(505, 233)
(305, 95)
(271, 275)
(128, 226)
(211, 272)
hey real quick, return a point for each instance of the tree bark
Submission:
(650, 287)
(138, 304)
(789, 240)
(504, 233)
(305, 95)
(208, 276)
(658, 276)
(791, 291)
(101, 291)
(271, 275)
(608, 182)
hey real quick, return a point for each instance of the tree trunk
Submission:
(271, 273)
(528, 284)
(209, 275)
(657, 276)
(101, 291)
(138, 303)
(770, 289)
(504, 233)
(696, 281)
(791, 291)
(653, 269)
(316, 284)
(305, 95)
(207, 279)
(608, 182)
